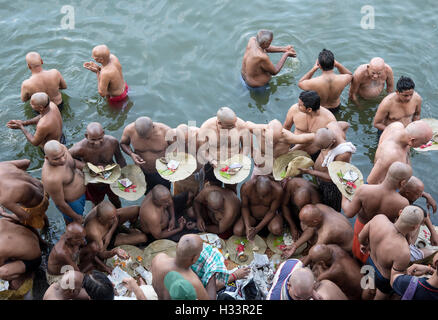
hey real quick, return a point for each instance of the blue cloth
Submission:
(382, 283)
(424, 290)
(77, 206)
(255, 89)
(279, 287)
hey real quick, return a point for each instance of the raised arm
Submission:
(304, 82)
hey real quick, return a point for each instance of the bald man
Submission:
(403, 105)
(148, 139)
(220, 138)
(308, 116)
(370, 200)
(369, 80)
(334, 147)
(159, 213)
(330, 262)
(322, 225)
(216, 209)
(297, 193)
(110, 82)
(328, 85)
(48, 81)
(69, 287)
(394, 145)
(65, 252)
(63, 180)
(48, 122)
(272, 141)
(101, 150)
(261, 200)
(188, 250)
(22, 194)
(387, 245)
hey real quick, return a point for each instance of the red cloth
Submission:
(121, 97)
(96, 192)
(358, 226)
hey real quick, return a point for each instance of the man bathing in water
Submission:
(328, 85)
(148, 139)
(403, 105)
(369, 80)
(48, 81)
(22, 194)
(308, 116)
(395, 144)
(99, 149)
(261, 200)
(257, 68)
(63, 180)
(110, 82)
(48, 122)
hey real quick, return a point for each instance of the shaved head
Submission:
(419, 132)
(188, 247)
(399, 173)
(226, 116)
(321, 252)
(75, 229)
(215, 200)
(106, 210)
(310, 215)
(411, 216)
(52, 147)
(300, 283)
(95, 129)
(413, 189)
(377, 63)
(324, 138)
(40, 99)
(33, 59)
(160, 192)
(143, 126)
(101, 51)
(263, 185)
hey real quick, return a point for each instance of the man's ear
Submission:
(399, 213)
(368, 66)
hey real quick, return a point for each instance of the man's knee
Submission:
(239, 229)
(6, 274)
(275, 228)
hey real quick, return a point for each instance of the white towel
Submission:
(340, 149)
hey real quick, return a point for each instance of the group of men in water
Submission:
(387, 220)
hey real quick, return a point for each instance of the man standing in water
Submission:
(48, 81)
(328, 85)
(257, 68)
(110, 82)
(369, 80)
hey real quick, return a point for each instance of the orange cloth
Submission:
(37, 214)
(358, 226)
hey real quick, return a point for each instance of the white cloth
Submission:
(340, 149)
(148, 291)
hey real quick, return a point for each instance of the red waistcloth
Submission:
(358, 226)
(96, 192)
(121, 97)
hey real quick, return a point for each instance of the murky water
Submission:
(182, 60)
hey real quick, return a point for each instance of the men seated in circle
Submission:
(308, 117)
(48, 81)
(369, 80)
(101, 150)
(148, 139)
(260, 203)
(48, 122)
(257, 68)
(403, 105)
(328, 85)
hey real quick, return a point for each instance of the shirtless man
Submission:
(63, 180)
(48, 122)
(330, 262)
(65, 252)
(297, 193)
(159, 211)
(370, 200)
(328, 85)
(188, 250)
(272, 141)
(22, 194)
(322, 225)
(369, 80)
(110, 83)
(387, 246)
(334, 147)
(57, 291)
(257, 68)
(48, 81)
(20, 252)
(99, 149)
(403, 105)
(394, 145)
(308, 117)
(220, 138)
(149, 142)
(261, 200)
(216, 209)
